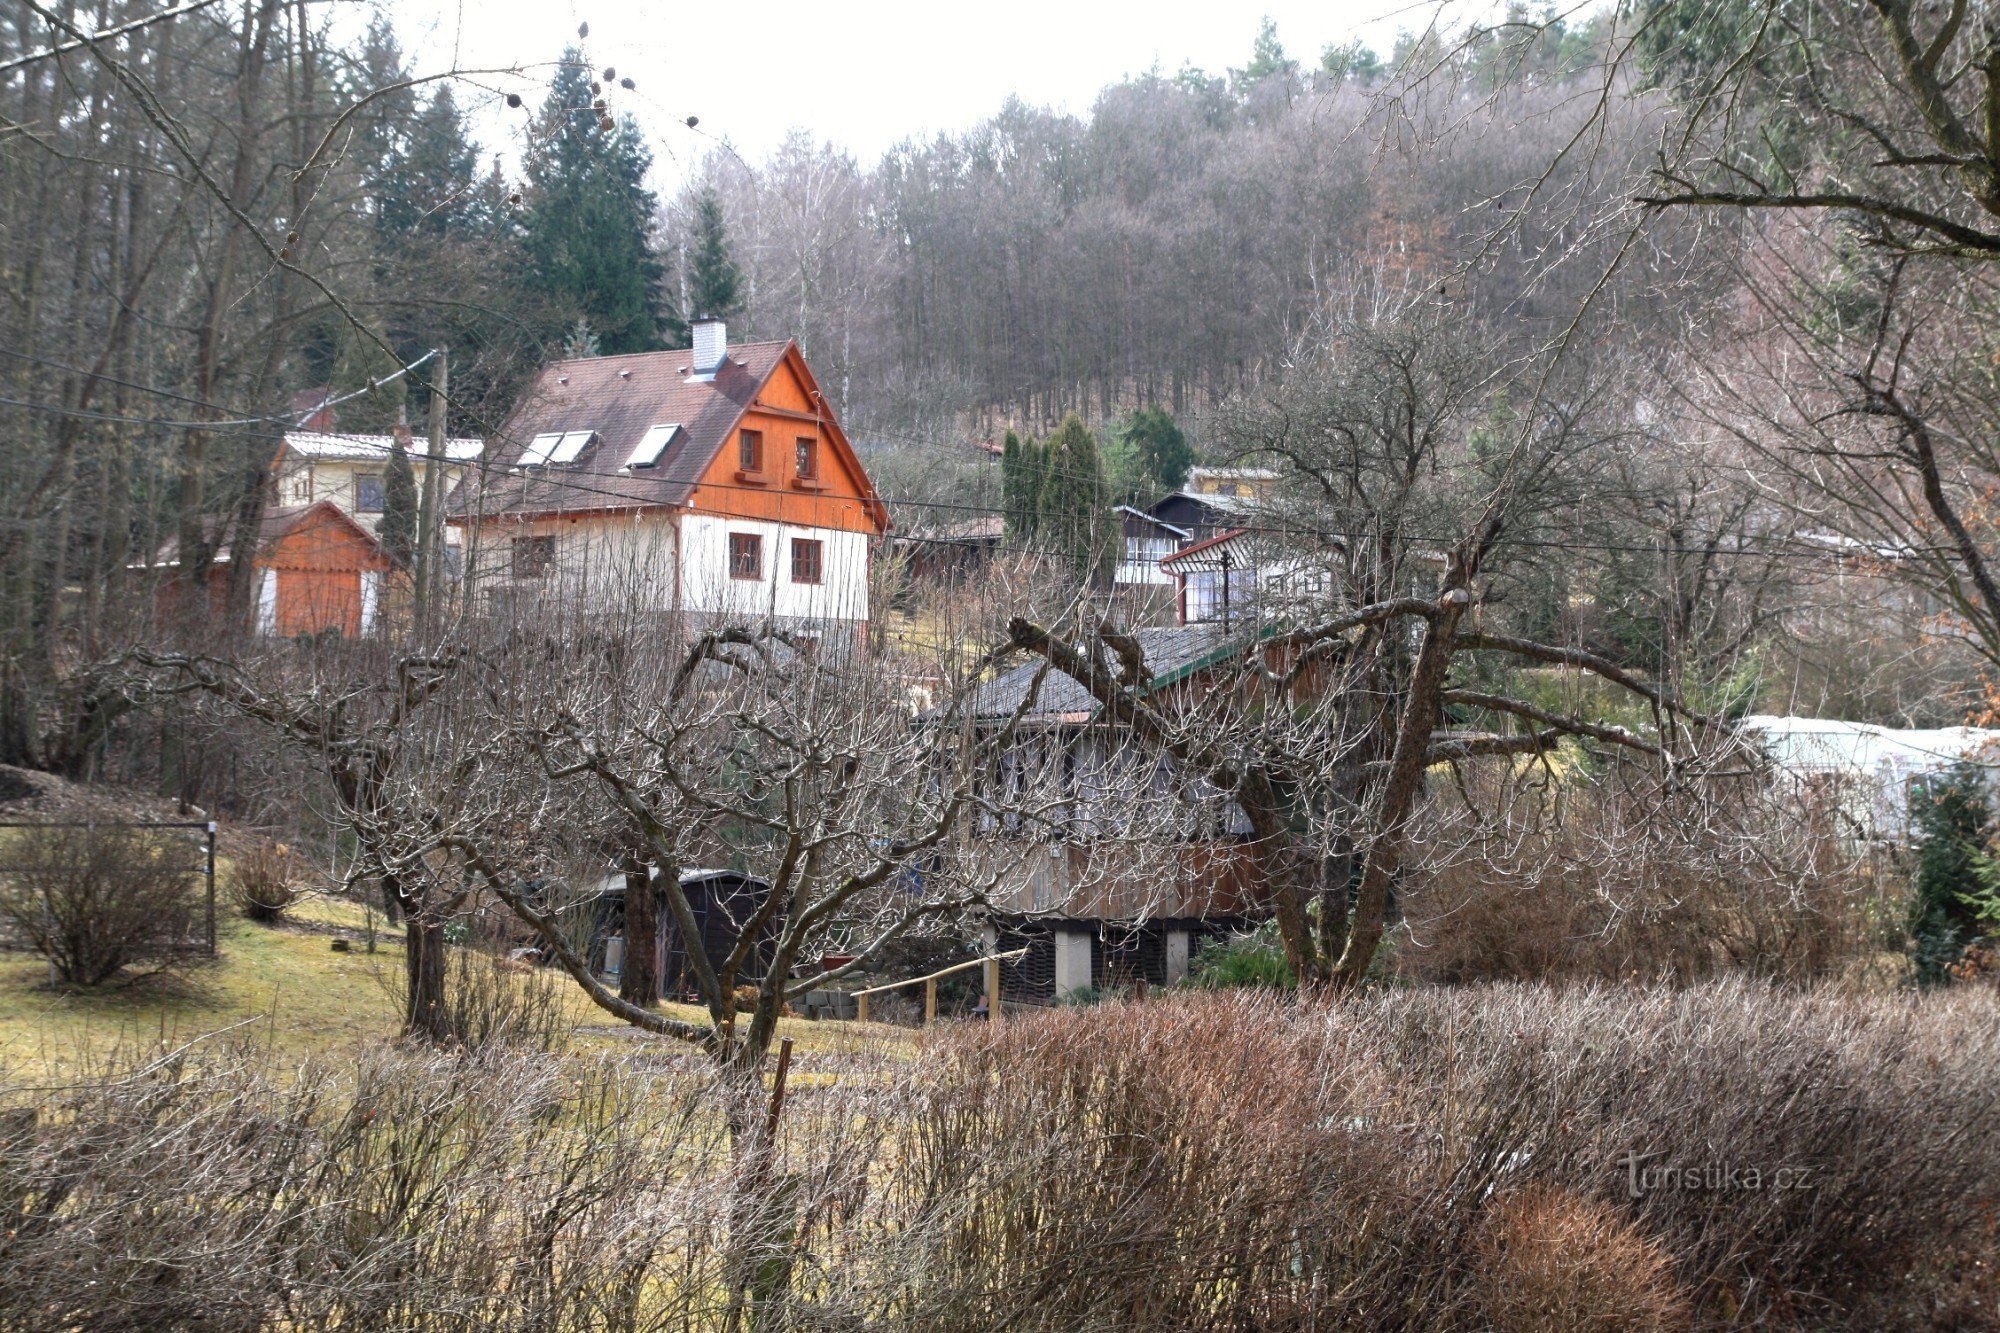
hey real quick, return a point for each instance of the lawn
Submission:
(284, 986)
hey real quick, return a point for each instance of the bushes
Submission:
(1256, 958)
(1510, 1157)
(1587, 881)
(266, 879)
(99, 898)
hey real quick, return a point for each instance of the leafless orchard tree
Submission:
(1414, 485)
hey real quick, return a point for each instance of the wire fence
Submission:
(203, 846)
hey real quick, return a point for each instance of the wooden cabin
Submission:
(317, 571)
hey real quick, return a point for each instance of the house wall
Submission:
(785, 412)
(610, 560)
(318, 577)
(708, 586)
(307, 481)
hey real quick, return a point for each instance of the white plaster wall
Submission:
(618, 560)
(706, 584)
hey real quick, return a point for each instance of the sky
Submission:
(863, 76)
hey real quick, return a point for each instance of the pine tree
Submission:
(1075, 518)
(1017, 462)
(712, 281)
(588, 215)
(398, 529)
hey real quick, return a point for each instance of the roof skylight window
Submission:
(653, 446)
(558, 448)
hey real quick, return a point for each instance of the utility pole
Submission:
(430, 549)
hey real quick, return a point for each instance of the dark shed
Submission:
(723, 901)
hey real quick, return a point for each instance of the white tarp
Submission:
(1877, 763)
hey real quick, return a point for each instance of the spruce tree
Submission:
(1076, 520)
(712, 282)
(588, 214)
(1160, 449)
(1953, 822)
(398, 529)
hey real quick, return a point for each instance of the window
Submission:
(534, 557)
(558, 448)
(746, 555)
(808, 457)
(368, 492)
(807, 560)
(652, 446)
(750, 450)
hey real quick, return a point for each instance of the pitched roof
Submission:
(371, 448)
(278, 523)
(1211, 553)
(1170, 655)
(619, 398)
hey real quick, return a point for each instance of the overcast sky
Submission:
(865, 76)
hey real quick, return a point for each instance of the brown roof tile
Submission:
(620, 398)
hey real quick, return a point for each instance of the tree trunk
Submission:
(639, 980)
(1421, 710)
(425, 1013)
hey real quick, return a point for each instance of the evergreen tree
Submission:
(1161, 454)
(712, 283)
(430, 187)
(398, 530)
(1952, 819)
(1073, 506)
(1017, 461)
(588, 213)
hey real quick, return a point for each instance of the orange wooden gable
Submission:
(789, 408)
(324, 538)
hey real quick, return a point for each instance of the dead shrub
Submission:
(266, 879)
(98, 898)
(1585, 879)
(491, 1001)
(1552, 1262)
(1460, 1159)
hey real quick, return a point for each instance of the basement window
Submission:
(808, 560)
(746, 555)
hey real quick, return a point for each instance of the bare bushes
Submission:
(1455, 1159)
(266, 879)
(1514, 1157)
(490, 1001)
(96, 898)
(1550, 1261)
(414, 1192)
(1586, 879)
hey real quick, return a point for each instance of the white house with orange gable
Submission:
(715, 482)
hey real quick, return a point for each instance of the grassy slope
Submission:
(303, 998)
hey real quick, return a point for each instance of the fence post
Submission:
(211, 888)
(861, 1008)
(993, 991)
(930, 1002)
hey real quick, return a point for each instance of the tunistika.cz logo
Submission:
(1643, 1177)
